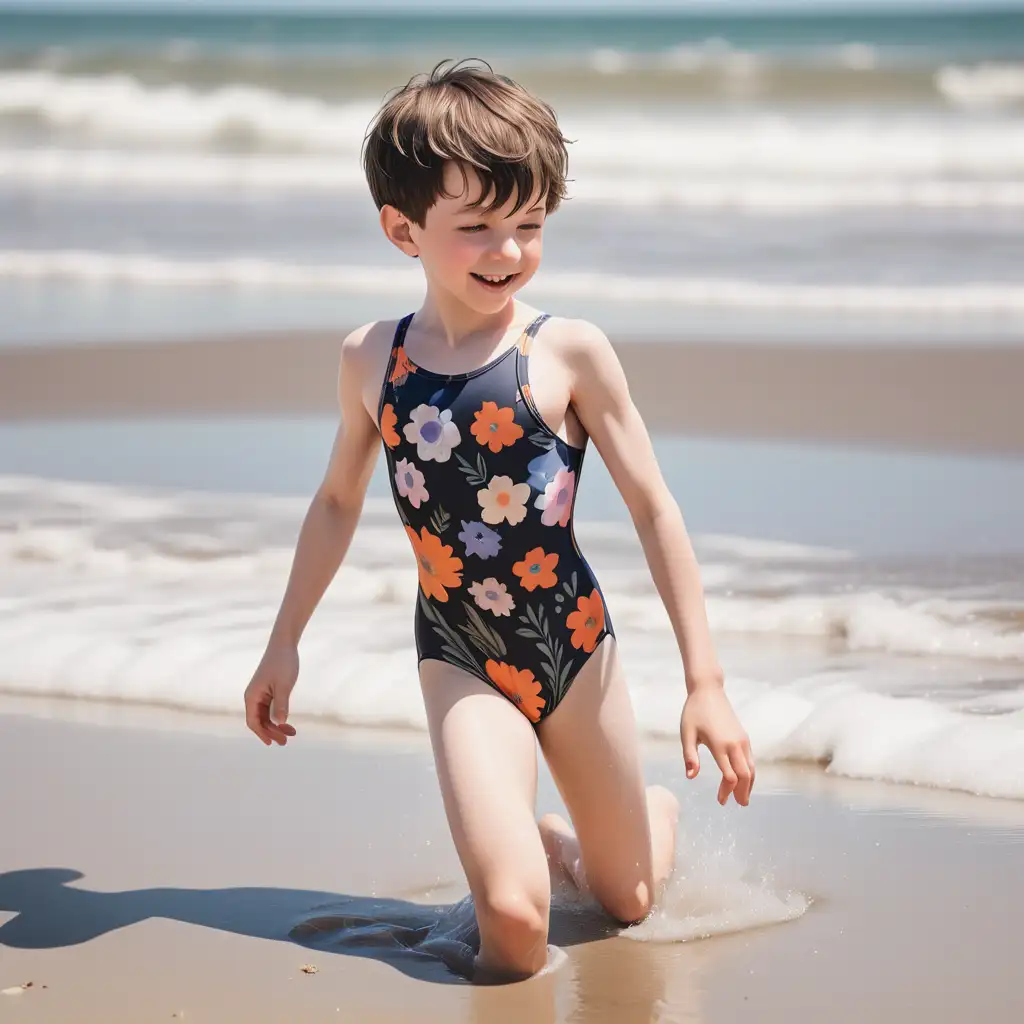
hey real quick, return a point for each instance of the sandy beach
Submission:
(155, 867)
(963, 399)
(803, 232)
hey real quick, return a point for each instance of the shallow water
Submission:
(868, 607)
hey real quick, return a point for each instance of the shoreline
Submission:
(164, 874)
(909, 397)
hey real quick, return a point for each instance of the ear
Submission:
(398, 229)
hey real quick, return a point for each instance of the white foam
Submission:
(800, 149)
(96, 268)
(872, 621)
(139, 595)
(121, 107)
(849, 148)
(710, 895)
(987, 85)
(279, 172)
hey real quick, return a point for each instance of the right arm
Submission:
(323, 542)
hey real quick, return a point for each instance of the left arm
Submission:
(601, 400)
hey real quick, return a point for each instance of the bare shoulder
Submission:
(576, 336)
(365, 352)
(369, 343)
(581, 345)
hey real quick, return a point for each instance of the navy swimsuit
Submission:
(486, 491)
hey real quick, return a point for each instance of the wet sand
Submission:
(964, 400)
(153, 864)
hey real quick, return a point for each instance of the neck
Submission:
(445, 317)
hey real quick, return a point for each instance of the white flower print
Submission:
(503, 500)
(410, 483)
(492, 596)
(433, 433)
(556, 501)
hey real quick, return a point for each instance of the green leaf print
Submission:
(563, 679)
(535, 617)
(548, 645)
(455, 646)
(487, 630)
(482, 636)
(542, 440)
(440, 520)
(476, 475)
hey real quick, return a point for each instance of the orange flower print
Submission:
(495, 427)
(402, 368)
(388, 422)
(437, 566)
(537, 569)
(587, 621)
(519, 686)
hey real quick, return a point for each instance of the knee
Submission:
(664, 802)
(515, 915)
(630, 906)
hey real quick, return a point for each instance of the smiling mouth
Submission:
(494, 281)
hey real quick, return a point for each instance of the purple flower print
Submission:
(544, 469)
(480, 540)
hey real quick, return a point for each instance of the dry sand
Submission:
(923, 398)
(152, 864)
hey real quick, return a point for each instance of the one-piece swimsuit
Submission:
(486, 491)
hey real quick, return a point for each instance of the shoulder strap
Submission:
(396, 343)
(523, 357)
(529, 333)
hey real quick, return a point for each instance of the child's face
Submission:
(457, 244)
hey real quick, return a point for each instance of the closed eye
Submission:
(473, 228)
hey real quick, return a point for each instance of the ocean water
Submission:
(868, 607)
(856, 177)
(818, 175)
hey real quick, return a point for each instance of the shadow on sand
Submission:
(430, 942)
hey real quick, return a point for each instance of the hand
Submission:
(708, 718)
(271, 686)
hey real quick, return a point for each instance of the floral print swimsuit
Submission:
(486, 492)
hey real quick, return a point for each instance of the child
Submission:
(484, 408)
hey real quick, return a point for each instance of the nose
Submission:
(509, 250)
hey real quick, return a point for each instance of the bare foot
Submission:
(563, 852)
(663, 813)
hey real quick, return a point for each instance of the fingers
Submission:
(737, 765)
(257, 718)
(280, 714)
(729, 777)
(690, 755)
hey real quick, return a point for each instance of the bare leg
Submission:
(486, 757)
(563, 848)
(624, 845)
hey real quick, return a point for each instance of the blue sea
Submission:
(828, 178)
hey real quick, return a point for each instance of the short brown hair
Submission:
(465, 113)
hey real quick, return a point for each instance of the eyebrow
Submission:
(467, 208)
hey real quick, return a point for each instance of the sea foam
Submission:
(122, 110)
(152, 597)
(929, 300)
